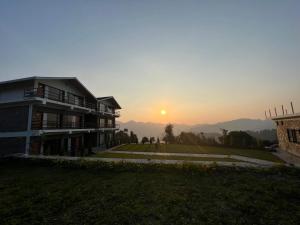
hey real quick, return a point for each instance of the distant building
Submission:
(288, 132)
(54, 116)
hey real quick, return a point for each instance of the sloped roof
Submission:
(47, 78)
(110, 99)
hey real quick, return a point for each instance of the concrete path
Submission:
(237, 157)
(147, 161)
(287, 157)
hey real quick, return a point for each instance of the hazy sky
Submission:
(201, 61)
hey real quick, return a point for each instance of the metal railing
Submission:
(45, 124)
(116, 113)
(58, 95)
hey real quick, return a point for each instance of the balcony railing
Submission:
(50, 125)
(58, 96)
(101, 126)
(45, 124)
(116, 113)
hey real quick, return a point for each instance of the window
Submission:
(55, 94)
(101, 107)
(281, 123)
(52, 120)
(292, 135)
(101, 122)
(277, 123)
(75, 99)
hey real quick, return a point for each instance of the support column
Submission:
(69, 145)
(29, 121)
(98, 139)
(42, 147)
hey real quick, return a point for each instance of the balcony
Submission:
(52, 125)
(101, 126)
(59, 96)
(109, 112)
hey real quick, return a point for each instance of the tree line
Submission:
(237, 139)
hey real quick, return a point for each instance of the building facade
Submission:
(54, 116)
(288, 132)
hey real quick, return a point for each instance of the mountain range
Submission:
(157, 129)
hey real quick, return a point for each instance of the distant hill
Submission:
(157, 129)
(239, 124)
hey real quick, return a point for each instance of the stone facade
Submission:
(288, 132)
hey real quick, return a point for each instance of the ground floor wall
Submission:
(288, 132)
(76, 144)
(12, 145)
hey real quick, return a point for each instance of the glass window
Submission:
(101, 122)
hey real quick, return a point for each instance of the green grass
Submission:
(43, 193)
(175, 148)
(138, 156)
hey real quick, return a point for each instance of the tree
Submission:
(122, 137)
(169, 137)
(152, 140)
(157, 143)
(145, 140)
(133, 138)
(240, 139)
(224, 135)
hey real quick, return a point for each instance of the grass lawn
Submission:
(39, 193)
(135, 156)
(175, 148)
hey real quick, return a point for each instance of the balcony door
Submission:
(37, 121)
(41, 90)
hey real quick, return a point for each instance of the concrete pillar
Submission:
(62, 143)
(42, 147)
(69, 145)
(82, 141)
(98, 139)
(29, 121)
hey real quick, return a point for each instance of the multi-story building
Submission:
(288, 132)
(54, 116)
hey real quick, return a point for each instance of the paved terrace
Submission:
(247, 162)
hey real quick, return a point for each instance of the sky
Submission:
(200, 61)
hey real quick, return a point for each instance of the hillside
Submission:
(156, 129)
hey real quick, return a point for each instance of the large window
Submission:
(101, 123)
(75, 99)
(52, 121)
(55, 94)
(109, 123)
(72, 121)
(101, 107)
(292, 135)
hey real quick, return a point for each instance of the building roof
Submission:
(48, 78)
(110, 99)
(287, 116)
(35, 78)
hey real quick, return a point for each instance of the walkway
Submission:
(153, 161)
(237, 157)
(287, 157)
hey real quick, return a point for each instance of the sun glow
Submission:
(163, 112)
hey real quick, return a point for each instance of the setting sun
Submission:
(163, 112)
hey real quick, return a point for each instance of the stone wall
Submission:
(284, 143)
